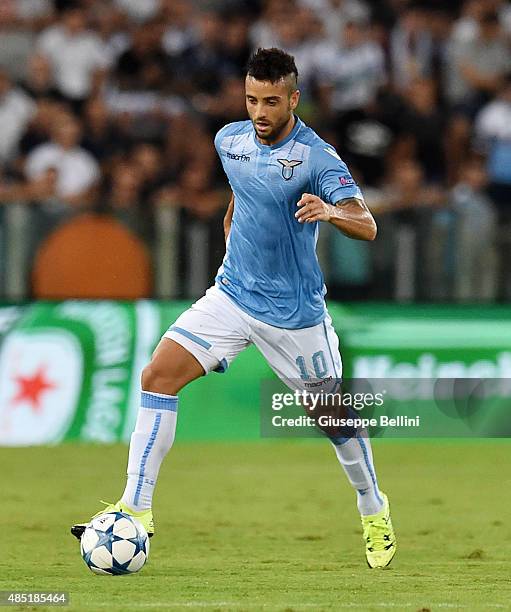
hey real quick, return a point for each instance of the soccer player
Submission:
(269, 290)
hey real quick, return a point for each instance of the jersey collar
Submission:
(290, 136)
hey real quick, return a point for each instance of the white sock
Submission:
(150, 442)
(356, 458)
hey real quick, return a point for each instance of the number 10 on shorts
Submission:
(318, 363)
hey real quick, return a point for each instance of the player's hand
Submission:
(312, 208)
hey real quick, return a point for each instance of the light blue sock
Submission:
(150, 442)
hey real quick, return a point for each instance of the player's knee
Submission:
(156, 378)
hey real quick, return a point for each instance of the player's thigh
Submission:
(302, 357)
(213, 330)
(171, 368)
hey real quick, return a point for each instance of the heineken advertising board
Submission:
(70, 371)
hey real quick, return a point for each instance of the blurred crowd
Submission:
(112, 105)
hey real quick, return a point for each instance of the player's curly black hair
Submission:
(271, 65)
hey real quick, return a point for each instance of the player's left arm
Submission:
(350, 215)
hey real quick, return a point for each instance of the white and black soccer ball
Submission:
(115, 544)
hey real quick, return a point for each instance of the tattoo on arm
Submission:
(354, 219)
(345, 201)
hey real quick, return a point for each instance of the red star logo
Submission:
(30, 388)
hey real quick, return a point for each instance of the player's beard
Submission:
(274, 132)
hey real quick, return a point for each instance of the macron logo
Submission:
(242, 157)
(346, 181)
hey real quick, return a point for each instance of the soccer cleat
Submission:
(145, 517)
(379, 537)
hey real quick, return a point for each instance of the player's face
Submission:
(270, 107)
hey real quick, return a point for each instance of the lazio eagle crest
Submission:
(288, 167)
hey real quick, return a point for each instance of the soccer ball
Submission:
(114, 543)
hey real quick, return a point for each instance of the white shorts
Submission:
(215, 330)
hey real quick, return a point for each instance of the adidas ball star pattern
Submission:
(114, 543)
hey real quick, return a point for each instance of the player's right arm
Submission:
(335, 197)
(228, 217)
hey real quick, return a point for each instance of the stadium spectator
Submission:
(504, 11)
(180, 27)
(475, 276)
(235, 44)
(411, 46)
(440, 23)
(16, 111)
(202, 208)
(40, 189)
(34, 13)
(125, 186)
(140, 92)
(476, 66)
(38, 81)
(406, 189)
(78, 57)
(180, 131)
(77, 171)
(112, 27)
(38, 131)
(466, 28)
(139, 10)
(352, 72)
(411, 254)
(142, 66)
(101, 138)
(123, 196)
(475, 70)
(225, 107)
(196, 193)
(20, 20)
(262, 31)
(148, 158)
(303, 37)
(188, 141)
(421, 123)
(367, 137)
(335, 14)
(203, 66)
(493, 138)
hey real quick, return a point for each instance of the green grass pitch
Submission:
(268, 526)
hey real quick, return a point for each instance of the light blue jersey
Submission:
(270, 268)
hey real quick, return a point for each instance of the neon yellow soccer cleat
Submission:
(145, 517)
(379, 537)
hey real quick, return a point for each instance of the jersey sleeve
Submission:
(222, 132)
(331, 179)
(219, 137)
